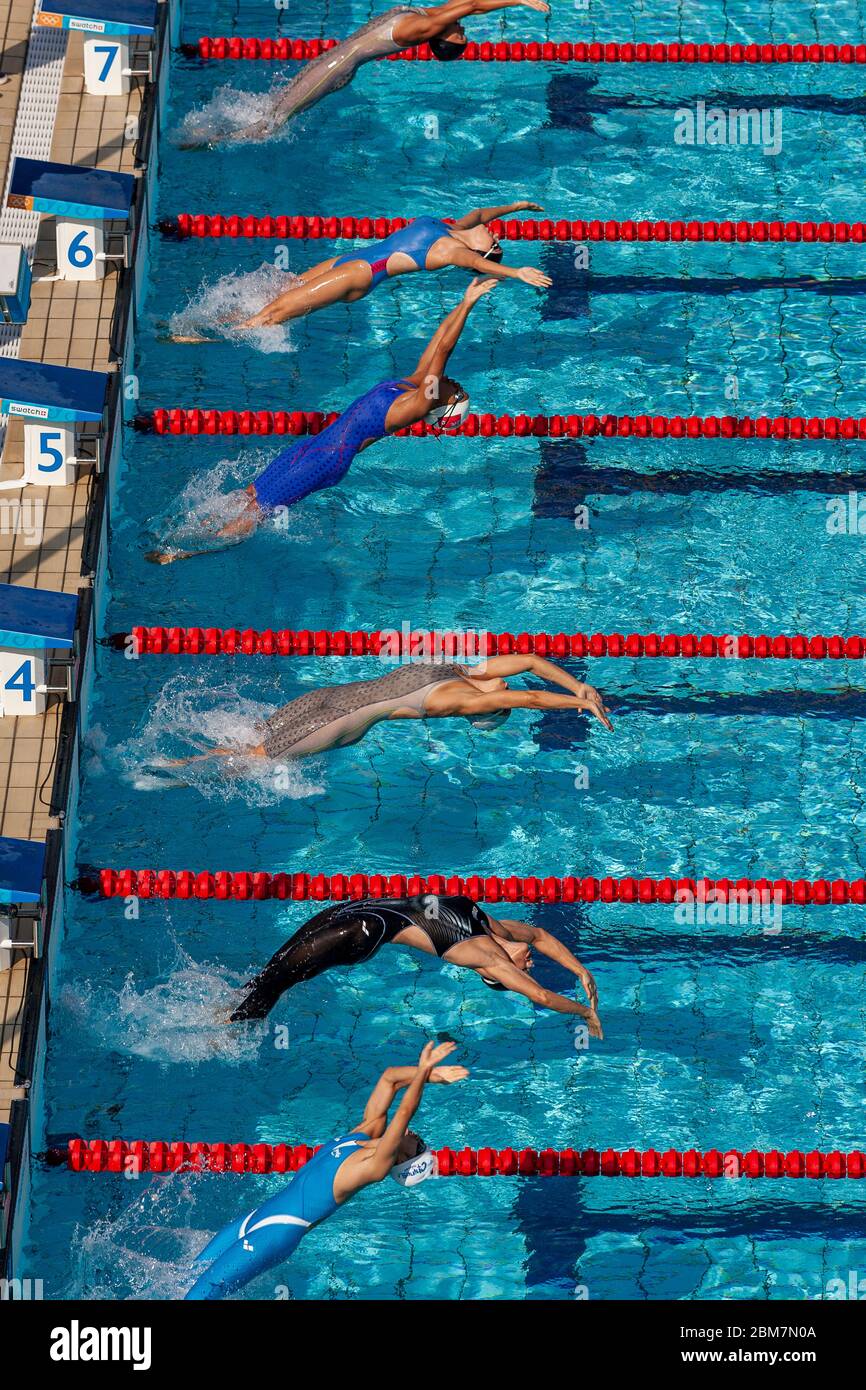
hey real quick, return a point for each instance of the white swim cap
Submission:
(451, 415)
(415, 1170)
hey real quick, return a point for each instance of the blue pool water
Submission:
(719, 1035)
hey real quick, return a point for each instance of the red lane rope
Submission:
(302, 50)
(232, 641)
(166, 1156)
(249, 886)
(314, 228)
(182, 421)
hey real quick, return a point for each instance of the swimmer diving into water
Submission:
(401, 27)
(374, 1150)
(336, 716)
(454, 928)
(323, 460)
(425, 244)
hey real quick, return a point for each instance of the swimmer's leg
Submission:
(315, 271)
(257, 752)
(232, 533)
(306, 277)
(343, 283)
(316, 947)
(245, 1257)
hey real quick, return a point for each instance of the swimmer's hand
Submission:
(530, 276)
(446, 1076)
(524, 206)
(540, 5)
(590, 988)
(432, 1055)
(478, 288)
(593, 1023)
(592, 702)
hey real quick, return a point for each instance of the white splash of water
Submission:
(219, 306)
(179, 1019)
(191, 716)
(210, 500)
(142, 1249)
(229, 113)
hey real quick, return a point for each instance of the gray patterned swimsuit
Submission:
(336, 68)
(342, 714)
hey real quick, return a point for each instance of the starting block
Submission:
(14, 283)
(81, 199)
(33, 623)
(22, 864)
(51, 401)
(106, 54)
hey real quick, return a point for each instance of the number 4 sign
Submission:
(22, 673)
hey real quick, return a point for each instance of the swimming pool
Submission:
(722, 1036)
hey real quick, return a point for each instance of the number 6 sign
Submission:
(80, 248)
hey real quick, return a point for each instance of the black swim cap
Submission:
(494, 254)
(492, 984)
(446, 50)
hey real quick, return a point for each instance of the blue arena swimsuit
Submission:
(414, 241)
(271, 1233)
(323, 459)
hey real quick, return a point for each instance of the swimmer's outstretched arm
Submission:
(430, 23)
(456, 253)
(548, 945)
(506, 973)
(504, 666)
(408, 409)
(479, 217)
(394, 1079)
(518, 699)
(369, 1167)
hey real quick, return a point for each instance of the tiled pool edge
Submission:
(25, 1116)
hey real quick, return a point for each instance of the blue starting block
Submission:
(22, 864)
(15, 278)
(106, 58)
(33, 623)
(81, 199)
(51, 401)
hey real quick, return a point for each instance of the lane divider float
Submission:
(258, 885)
(231, 641)
(212, 48)
(182, 420)
(174, 1156)
(315, 228)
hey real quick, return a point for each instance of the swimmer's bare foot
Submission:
(186, 338)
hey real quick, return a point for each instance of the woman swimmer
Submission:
(372, 1151)
(454, 928)
(322, 460)
(401, 27)
(425, 244)
(339, 715)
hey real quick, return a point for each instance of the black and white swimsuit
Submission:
(351, 932)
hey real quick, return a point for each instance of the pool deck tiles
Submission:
(42, 529)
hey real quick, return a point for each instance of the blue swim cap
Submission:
(489, 721)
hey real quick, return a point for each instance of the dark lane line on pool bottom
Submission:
(567, 474)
